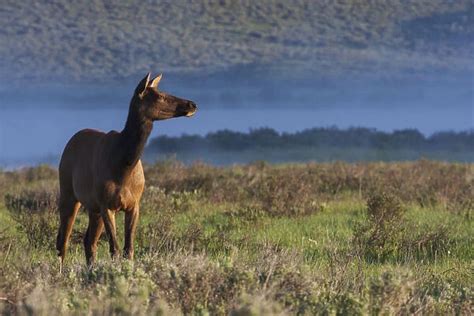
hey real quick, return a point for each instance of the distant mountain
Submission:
(84, 41)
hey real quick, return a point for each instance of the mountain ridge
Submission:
(97, 40)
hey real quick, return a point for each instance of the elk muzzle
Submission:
(192, 109)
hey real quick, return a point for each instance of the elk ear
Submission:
(154, 83)
(142, 85)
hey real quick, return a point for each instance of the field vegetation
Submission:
(255, 239)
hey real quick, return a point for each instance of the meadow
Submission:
(255, 239)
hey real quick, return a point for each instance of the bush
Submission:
(198, 286)
(301, 189)
(378, 239)
(387, 235)
(35, 210)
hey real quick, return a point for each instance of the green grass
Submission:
(198, 253)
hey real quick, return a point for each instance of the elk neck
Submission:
(134, 136)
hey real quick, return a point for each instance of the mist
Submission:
(34, 129)
(289, 67)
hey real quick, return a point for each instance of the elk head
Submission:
(158, 105)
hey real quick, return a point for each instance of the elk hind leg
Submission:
(68, 208)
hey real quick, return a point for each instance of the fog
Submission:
(66, 66)
(36, 124)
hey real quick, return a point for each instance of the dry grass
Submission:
(255, 239)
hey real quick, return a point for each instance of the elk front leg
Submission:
(96, 226)
(109, 222)
(131, 220)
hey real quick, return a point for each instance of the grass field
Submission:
(257, 239)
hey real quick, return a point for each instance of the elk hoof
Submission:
(60, 265)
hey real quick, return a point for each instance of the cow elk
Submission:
(103, 172)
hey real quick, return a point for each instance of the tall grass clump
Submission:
(388, 235)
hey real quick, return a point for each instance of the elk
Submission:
(103, 171)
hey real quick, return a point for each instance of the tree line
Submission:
(316, 138)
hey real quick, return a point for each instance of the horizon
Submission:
(29, 159)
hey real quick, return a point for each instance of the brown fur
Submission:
(103, 172)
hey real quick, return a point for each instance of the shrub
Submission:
(35, 210)
(388, 235)
(198, 286)
(379, 238)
